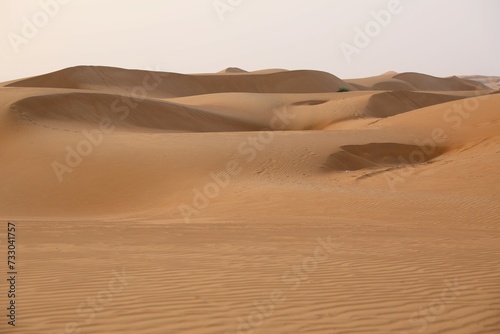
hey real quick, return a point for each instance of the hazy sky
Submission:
(438, 37)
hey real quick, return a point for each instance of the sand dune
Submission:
(393, 103)
(417, 81)
(80, 110)
(252, 201)
(427, 82)
(492, 82)
(386, 79)
(121, 81)
(233, 70)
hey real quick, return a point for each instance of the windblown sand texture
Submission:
(374, 210)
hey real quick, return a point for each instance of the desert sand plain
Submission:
(251, 202)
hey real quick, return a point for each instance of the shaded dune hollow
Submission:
(377, 155)
(309, 103)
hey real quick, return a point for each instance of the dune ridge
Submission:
(176, 85)
(417, 82)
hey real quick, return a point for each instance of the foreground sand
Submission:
(370, 211)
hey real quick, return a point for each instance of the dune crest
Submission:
(427, 82)
(167, 85)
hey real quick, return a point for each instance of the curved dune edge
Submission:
(80, 110)
(223, 113)
(166, 85)
(393, 103)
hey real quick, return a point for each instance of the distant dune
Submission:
(492, 82)
(233, 70)
(272, 201)
(175, 85)
(417, 81)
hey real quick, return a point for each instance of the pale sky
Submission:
(437, 37)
